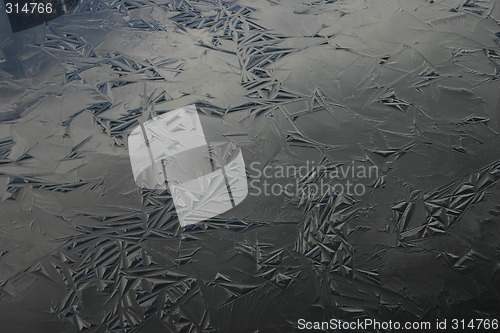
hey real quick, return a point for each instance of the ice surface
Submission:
(407, 86)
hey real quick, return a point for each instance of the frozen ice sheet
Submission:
(408, 87)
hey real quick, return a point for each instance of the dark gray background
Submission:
(411, 86)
